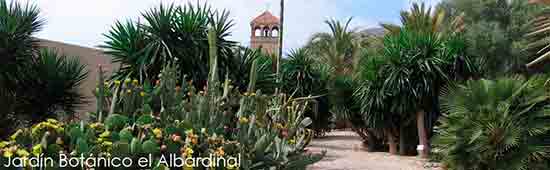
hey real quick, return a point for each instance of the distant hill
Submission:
(373, 31)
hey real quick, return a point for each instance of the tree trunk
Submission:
(403, 140)
(391, 141)
(373, 143)
(281, 35)
(424, 148)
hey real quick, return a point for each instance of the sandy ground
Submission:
(345, 152)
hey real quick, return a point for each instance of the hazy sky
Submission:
(83, 22)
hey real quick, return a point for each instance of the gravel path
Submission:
(345, 152)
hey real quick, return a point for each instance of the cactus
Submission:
(269, 132)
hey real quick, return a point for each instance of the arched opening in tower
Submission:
(275, 32)
(257, 32)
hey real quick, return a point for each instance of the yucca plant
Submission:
(170, 34)
(52, 84)
(495, 124)
(35, 83)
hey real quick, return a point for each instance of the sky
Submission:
(83, 22)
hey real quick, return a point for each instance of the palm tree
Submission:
(376, 103)
(339, 49)
(281, 38)
(420, 55)
(495, 124)
(539, 34)
(302, 77)
(34, 82)
(241, 64)
(170, 34)
(19, 23)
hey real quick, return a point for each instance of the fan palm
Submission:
(170, 34)
(495, 124)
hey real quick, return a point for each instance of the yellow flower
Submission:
(16, 134)
(4, 144)
(253, 94)
(105, 134)
(22, 153)
(52, 121)
(135, 82)
(37, 150)
(106, 83)
(142, 94)
(220, 152)
(107, 143)
(189, 132)
(127, 81)
(117, 82)
(188, 151)
(128, 91)
(278, 126)
(157, 132)
(59, 141)
(246, 94)
(292, 141)
(243, 120)
(8, 154)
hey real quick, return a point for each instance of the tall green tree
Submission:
(495, 30)
(302, 77)
(420, 56)
(339, 52)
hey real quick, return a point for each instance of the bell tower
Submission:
(265, 33)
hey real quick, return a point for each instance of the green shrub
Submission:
(495, 124)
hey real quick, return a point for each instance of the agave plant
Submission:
(495, 124)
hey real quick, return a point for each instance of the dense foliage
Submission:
(35, 83)
(495, 124)
(495, 30)
(171, 34)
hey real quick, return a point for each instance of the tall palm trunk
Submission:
(422, 134)
(391, 141)
(402, 140)
(281, 30)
